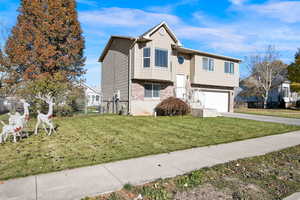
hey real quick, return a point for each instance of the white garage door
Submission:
(215, 100)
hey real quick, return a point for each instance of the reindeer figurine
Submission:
(45, 119)
(21, 119)
(13, 129)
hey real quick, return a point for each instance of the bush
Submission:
(172, 106)
(63, 110)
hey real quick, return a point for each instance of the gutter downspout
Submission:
(129, 76)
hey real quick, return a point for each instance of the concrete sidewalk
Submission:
(264, 118)
(295, 196)
(94, 180)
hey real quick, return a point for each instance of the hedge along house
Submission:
(145, 70)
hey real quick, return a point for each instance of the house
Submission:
(281, 95)
(92, 94)
(140, 72)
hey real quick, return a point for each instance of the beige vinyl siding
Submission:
(115, 70)
(158, 41)
(218, 77)
(182, 68)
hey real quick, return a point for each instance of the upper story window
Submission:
(229, 68)
(161, 58)
(208, 64)
(152, 90)
(147, 55)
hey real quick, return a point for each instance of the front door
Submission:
(180, 86)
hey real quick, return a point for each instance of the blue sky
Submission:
(235, 28)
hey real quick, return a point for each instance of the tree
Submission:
(46, 41)
(294, 72)
(265, 69)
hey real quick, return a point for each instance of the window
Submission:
(147, 54)
(285, 92)
(232, 68)
(97, 98)
(152, 90)
(211, 65)
(208, 64)
(205, 63)
(229, 68)
(180, 60)
(161, 58)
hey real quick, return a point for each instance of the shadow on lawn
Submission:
(27, 134)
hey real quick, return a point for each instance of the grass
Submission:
(271, 112)
(272, 176)
(94, 139)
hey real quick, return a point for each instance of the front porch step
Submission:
(205, 112)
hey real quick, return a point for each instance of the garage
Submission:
(214, 100)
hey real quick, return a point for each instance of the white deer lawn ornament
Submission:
(45, 119)
(13, 129)
(18, 119)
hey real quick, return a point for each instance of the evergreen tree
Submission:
(46, 41)
(294, 72)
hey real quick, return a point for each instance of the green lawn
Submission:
(271, 112)
(272, 176)
(89, 140)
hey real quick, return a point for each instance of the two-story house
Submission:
(145, 70)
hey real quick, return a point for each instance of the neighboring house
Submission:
(92, 94)
(243, 99)
(143, 71)
(281, 95)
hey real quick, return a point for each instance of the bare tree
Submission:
(265, 69)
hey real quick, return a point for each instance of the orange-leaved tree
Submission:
(46, 40)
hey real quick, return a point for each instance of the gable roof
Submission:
(82, 84)
(148, 34)
(178, 46)
(111, 39)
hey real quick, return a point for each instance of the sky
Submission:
(236, 28)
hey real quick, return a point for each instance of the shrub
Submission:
(63, 110)
(128, 187)
(155, 193)
(191, 180)
(172, 106)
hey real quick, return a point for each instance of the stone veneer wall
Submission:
(138, 91)
(145, 106)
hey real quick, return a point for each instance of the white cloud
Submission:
(170, 7)
(124, 17)
(237, 2)
(286, 11)
(246, 33)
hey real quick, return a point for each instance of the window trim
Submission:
(147, 57)
(168, 59)
(152, 90)
(211, 60)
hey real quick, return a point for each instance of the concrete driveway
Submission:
(281, 120)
